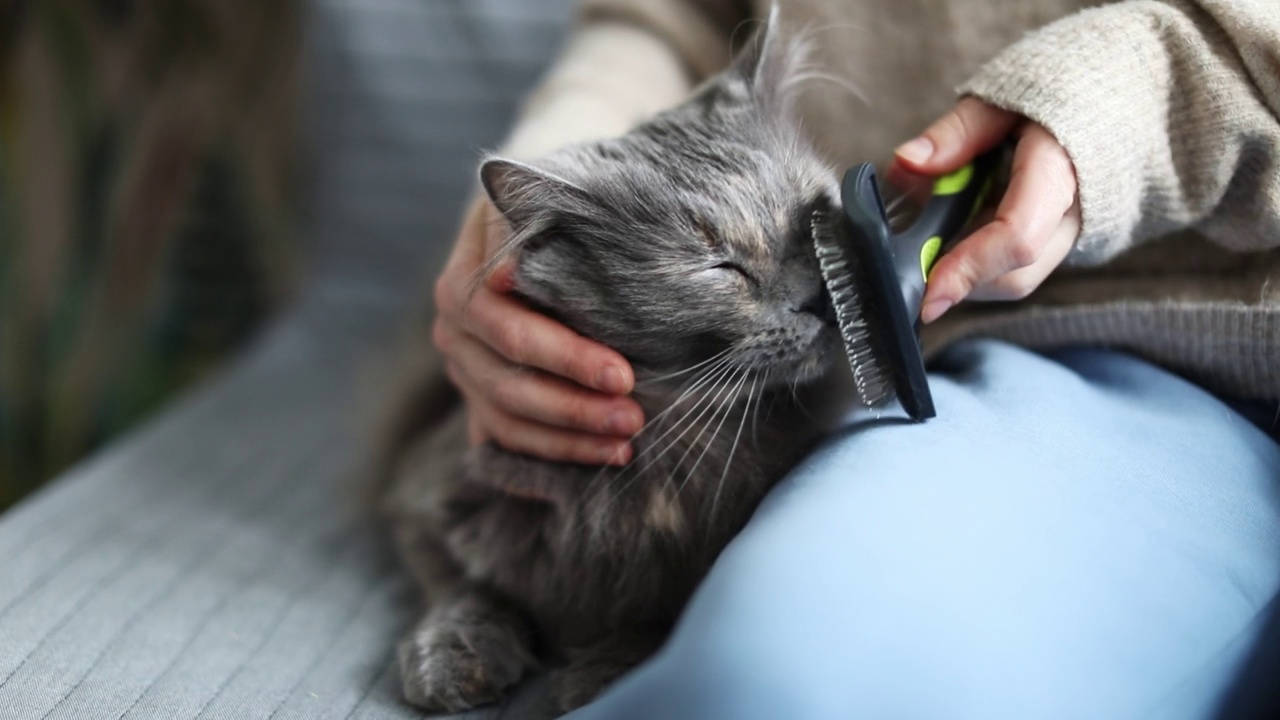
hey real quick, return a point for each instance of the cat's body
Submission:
(685, 246)
(582, 554)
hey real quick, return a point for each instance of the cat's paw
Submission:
(457, 666)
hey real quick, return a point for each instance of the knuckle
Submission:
(1064, 178)
(575, 365)
(1015, 286)
(970, 114)
(513, 341)
(506, 392)
(952, 128)
(580, 414)
(961, 269)
(1022, 252)
(1020, 247)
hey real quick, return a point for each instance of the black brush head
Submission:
(880, 334)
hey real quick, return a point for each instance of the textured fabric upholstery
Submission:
(214, 564)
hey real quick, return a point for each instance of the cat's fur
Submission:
(683, 241)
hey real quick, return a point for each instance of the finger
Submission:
(497, 231)
(543, 441)
(502, 278)
(469, 250)
(482, 231)
(541, 398)
(1022, 282)
(525, 337)
(1041, 190)
(968, 129)
(917, 187)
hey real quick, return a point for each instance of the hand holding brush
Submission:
(883, 283)
(1035, 224)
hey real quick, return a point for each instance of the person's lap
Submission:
(1081, 535)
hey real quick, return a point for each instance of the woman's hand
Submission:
(531, 384)
(1035, 224)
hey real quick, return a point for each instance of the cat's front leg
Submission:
(592, 668)
(466, 651)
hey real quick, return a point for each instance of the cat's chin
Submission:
(813, 369)
(815, 364)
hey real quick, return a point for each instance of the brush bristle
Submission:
(872, 377)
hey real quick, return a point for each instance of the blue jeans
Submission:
(1078, 535)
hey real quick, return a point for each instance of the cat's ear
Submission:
(523, 193)
(769, 60)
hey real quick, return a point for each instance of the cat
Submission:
(685, 245)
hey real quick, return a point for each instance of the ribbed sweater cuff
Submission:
(1096, 87)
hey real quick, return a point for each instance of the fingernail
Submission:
(611, 380)
(916, 151)
(934, 310)
(621, 422)
(502, 279)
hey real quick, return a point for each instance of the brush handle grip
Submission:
(957, 197)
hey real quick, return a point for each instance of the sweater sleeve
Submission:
(1169, 110)
(626, 60)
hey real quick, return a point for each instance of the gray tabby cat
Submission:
(685, 246)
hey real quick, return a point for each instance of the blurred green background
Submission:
(146, 209)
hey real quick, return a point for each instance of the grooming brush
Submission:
(876, 278)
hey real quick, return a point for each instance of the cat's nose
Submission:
(819, 305)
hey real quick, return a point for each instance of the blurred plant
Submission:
(145, 209)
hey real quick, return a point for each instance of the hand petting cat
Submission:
(531, 384)
(534, 386)
(1035, 224)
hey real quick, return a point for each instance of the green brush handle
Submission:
(956, 199)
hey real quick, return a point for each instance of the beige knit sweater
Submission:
(1170, 110)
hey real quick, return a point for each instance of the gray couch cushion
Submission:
(214, 564)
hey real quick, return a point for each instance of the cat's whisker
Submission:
(650, 380)
(637, 471)
(728, 408)
(693, 386)
(715, 501)
(719, 375)
(676, 440)
(801, 407)
(706, 403)
(837, 81)
(698, 438)
(815, 29)
(711, 375)
(755, 418)
(795, 397)
(711, 400)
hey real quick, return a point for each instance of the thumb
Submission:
(967, 130)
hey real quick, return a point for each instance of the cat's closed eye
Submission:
(736, 269)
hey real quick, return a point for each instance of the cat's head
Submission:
(689, 236)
